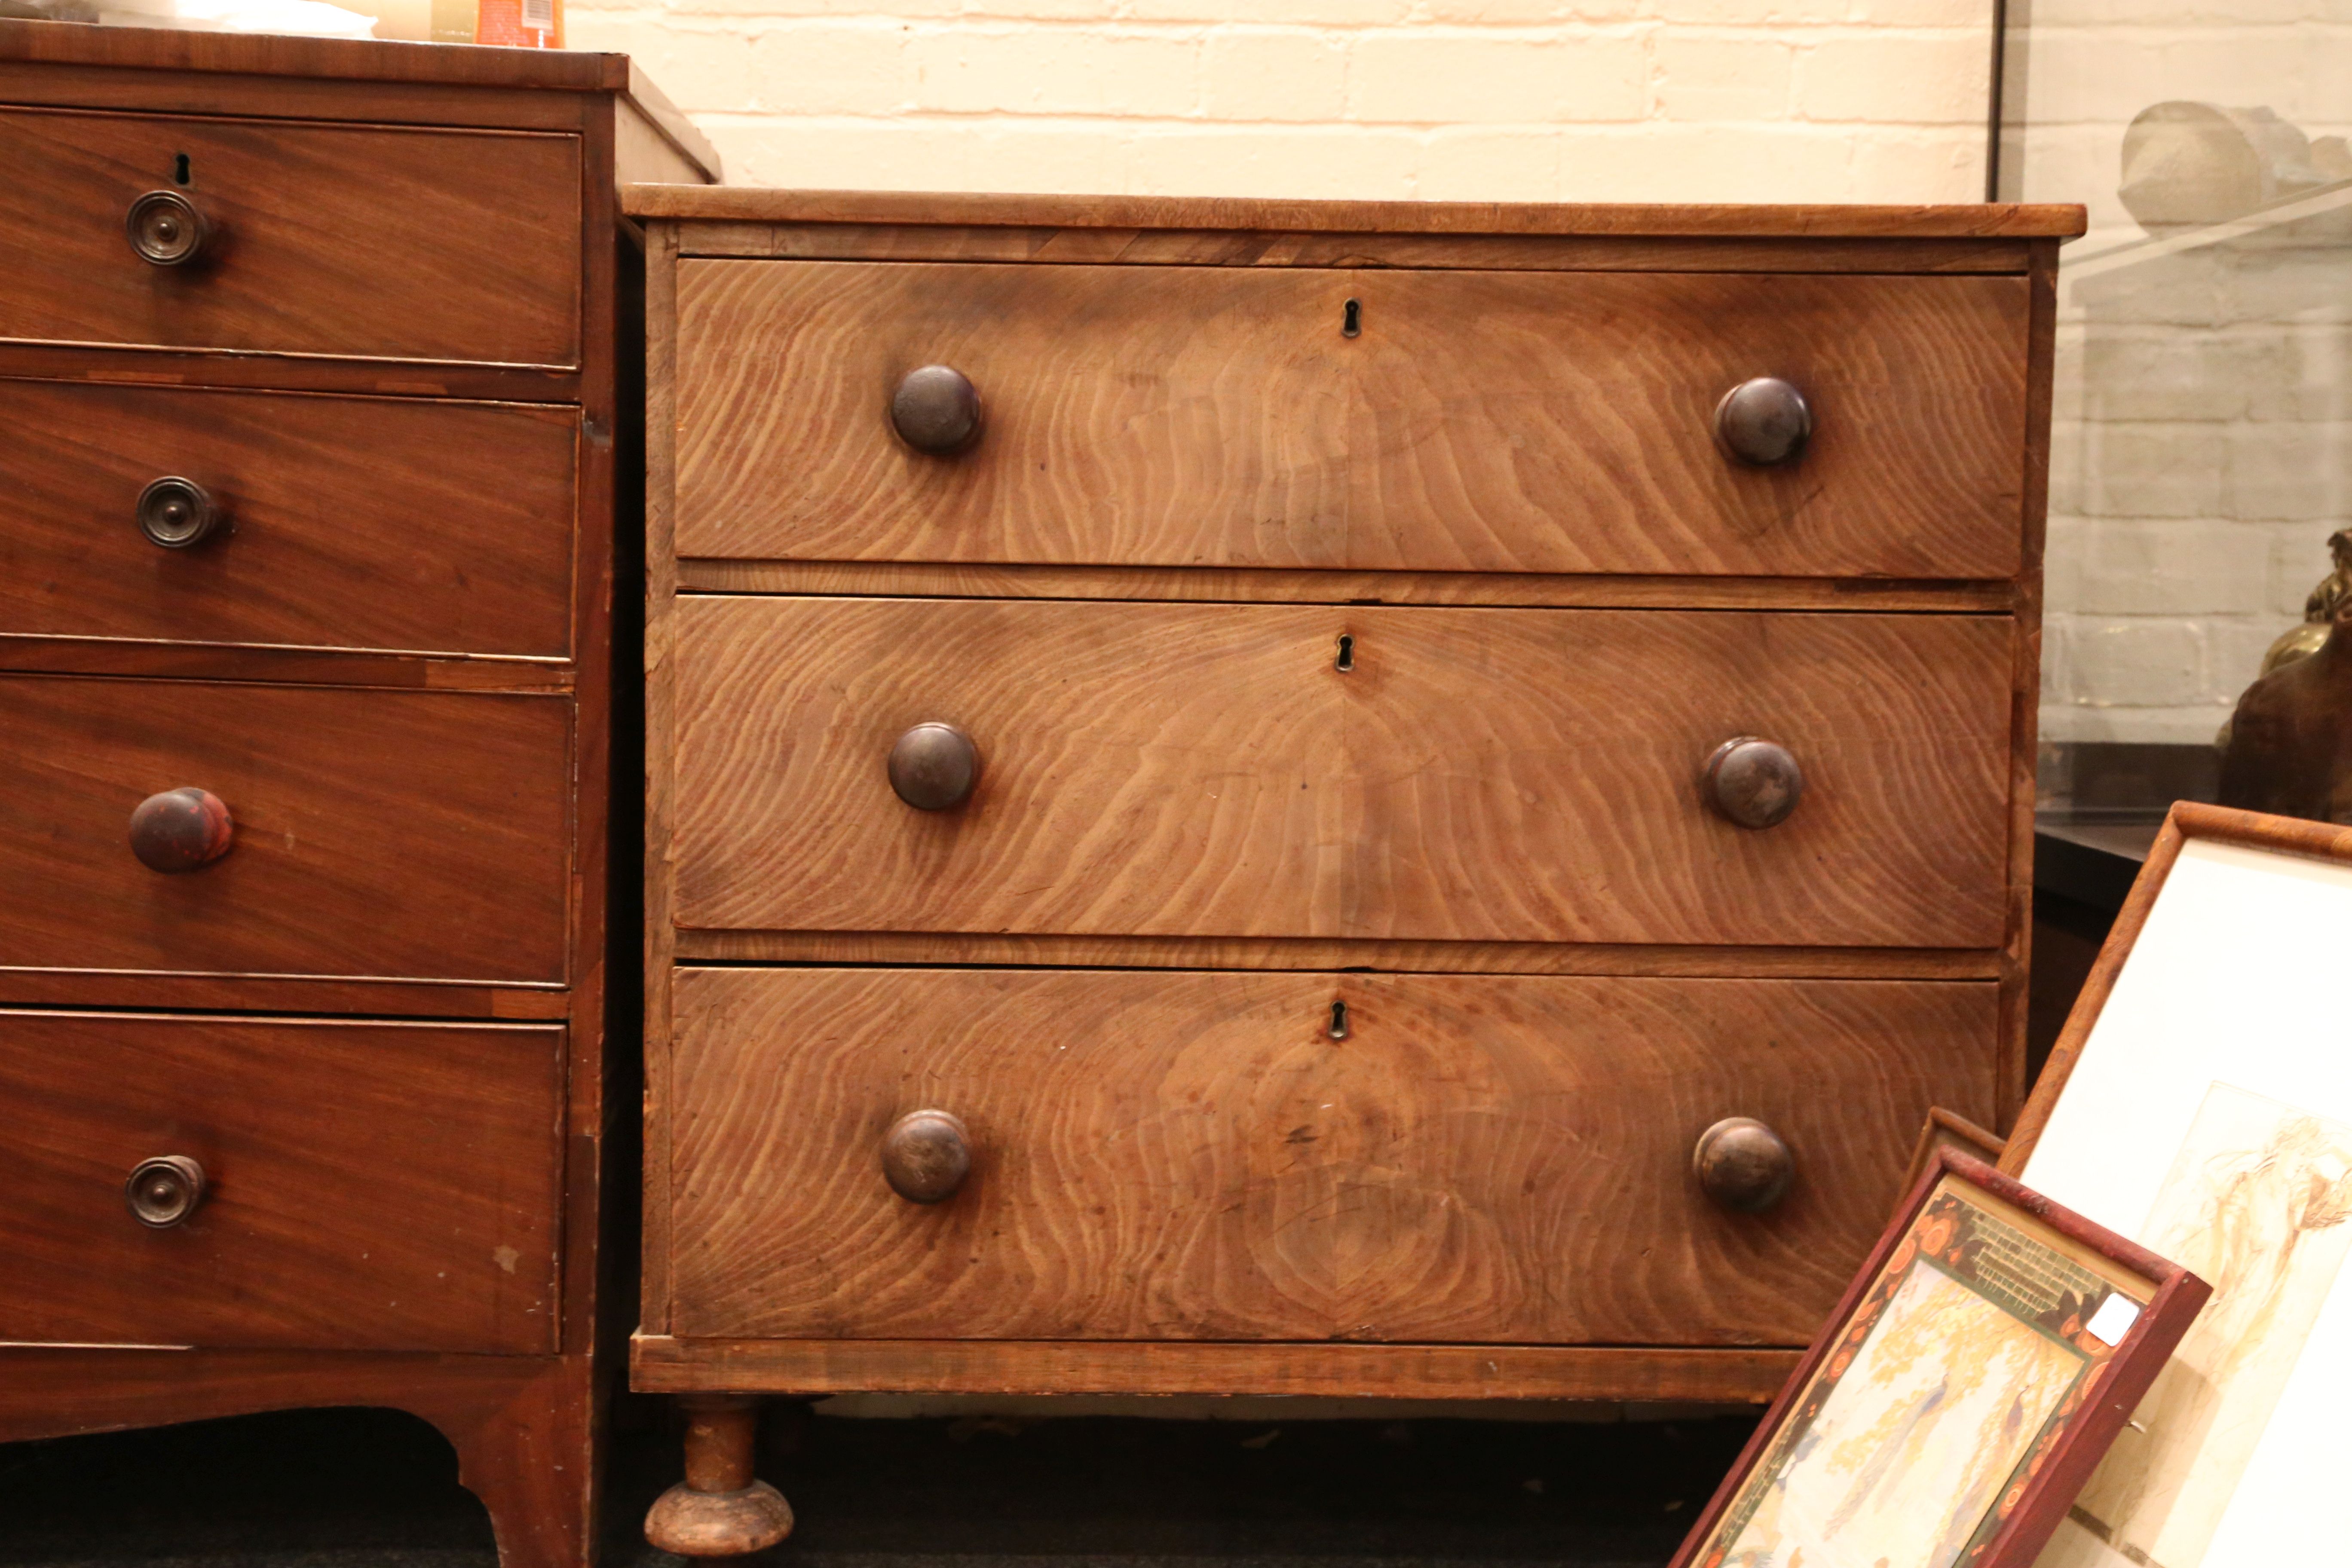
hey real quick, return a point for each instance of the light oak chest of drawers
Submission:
(1298, 798)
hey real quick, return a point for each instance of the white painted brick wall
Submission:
(2202, 447)
(1470, 100)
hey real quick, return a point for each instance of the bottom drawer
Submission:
(364, 1187)
(1180, 1155)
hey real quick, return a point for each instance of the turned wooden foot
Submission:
(721, 1510)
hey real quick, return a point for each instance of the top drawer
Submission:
(322, 239)
(1476, 421)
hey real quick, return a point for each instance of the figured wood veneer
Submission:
(385, 523)
(388, 834)
(1489, 422)
(1192, 1156)
(1478, 775)
(371, 241)
(370, 1187)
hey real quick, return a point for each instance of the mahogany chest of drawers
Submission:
(315, 365)
(1317, 798)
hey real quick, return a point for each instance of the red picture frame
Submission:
(1967, 1233)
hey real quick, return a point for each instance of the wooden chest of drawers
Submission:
(315, 360)
(1296, 798)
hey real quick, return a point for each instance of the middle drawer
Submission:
(390, 834)
(1469, 774)
(374, 522)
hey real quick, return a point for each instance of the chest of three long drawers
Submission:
(1346, 930)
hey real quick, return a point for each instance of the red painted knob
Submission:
(181, 830)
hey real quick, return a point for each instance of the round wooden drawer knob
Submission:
(176, 512)
(166, 229)
(934, 766)
(1753, 782)
(181, 830)
(926, 1155)
(1743, 1164)
(937, 410)
(164, 1191)
(1764, 422)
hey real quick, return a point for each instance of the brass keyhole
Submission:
(1338, 1028)
(1351, 318)
(1346, 663)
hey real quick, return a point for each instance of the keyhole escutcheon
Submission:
(1346, 662)
(1338, 1028)
(1351, 318)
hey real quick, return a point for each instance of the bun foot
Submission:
(718, 1524)
(720, 1510)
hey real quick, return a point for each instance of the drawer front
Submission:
(1478, 421)
(325, 239)
(339, 521)
(375, 834)
(364, 1187)
(1180, 1155)
(1179, 770)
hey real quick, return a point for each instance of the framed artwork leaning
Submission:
(2200, 1100)
(1987, 1354)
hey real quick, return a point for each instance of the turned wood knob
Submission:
(164, 1191)
(1743, 1164)
(1764, 422)
(166, 229)
(181, 830)
(937, 410)
(934, 766)
(176, 512)
(1753, 782)
(926, 1155)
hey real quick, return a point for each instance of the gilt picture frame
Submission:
(1988, 1351)
(2200, 1100)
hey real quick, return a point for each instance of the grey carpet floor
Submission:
(367, 1488)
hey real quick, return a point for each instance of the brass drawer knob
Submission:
(937, 410)
(1753, 782)
(166, 229)
(934, 767)
(1764, 422)
(181, 830)
(926, 1155)
(176, 512)
(164, 1191)
(1743, 1164)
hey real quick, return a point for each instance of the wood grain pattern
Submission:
(1191, 1156)
(1719, 962)
(523, 1425)
(660, 1365)
(335, 239)
(1108, 247)
(986, 580)
(378, 1186)
(1795, 219)
(380, 834)
(379, 523)
(1499, 775)
(1502, 422)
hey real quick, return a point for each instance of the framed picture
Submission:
(1948, 1130)
(1989, 1351)
(2200, 1100)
